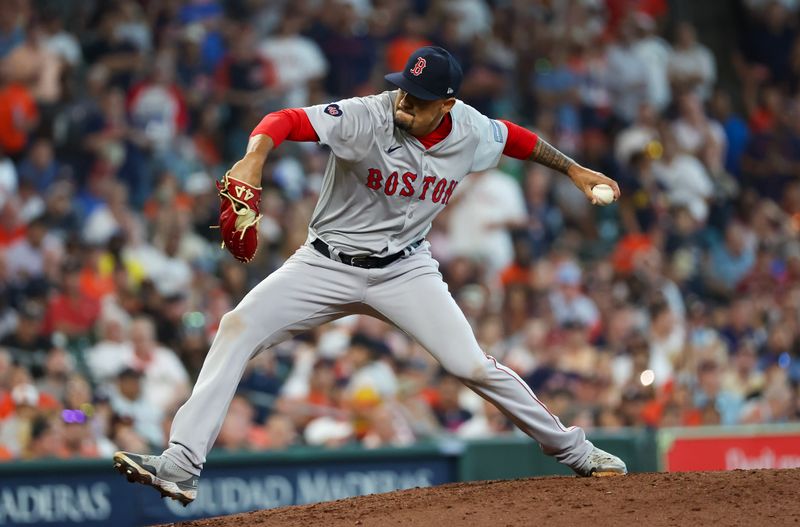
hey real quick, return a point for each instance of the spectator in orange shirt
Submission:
(71, 311)
(628, 249)
(18, 117)
(410, 39)
(94, 283)
(520, 269)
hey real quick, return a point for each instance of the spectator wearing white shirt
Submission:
(699, 135)
(111, 217)
(654, 52)
(667, 338)
(174, 275)
(105, 358)
(370, 375)
(26, 258)
(297, 60)
(691, 64)
(9, 181)
(635, 138)
(473, 18)
(594, 81)
(628, 76)
(60, 42)
(489, 423)
(568, 303)
(165, 381)
(128, 400)
(480, 216)
(684, 177)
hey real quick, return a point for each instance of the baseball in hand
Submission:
(603, 194)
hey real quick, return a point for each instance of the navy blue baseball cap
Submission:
(431, 73)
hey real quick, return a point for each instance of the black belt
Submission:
(364, 262)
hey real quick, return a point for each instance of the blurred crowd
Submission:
(677, 306)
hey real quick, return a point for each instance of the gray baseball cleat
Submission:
(159, 472)
(600, 463)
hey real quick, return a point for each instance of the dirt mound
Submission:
(752, 497)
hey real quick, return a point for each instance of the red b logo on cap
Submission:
(418, 67)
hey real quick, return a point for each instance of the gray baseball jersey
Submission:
(381, 190)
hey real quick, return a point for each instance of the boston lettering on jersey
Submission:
(440, 188)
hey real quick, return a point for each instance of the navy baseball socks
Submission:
(600, 463)
(158, 472)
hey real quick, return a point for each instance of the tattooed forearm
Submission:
(545, 154)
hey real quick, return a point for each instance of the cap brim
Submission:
(399, 80)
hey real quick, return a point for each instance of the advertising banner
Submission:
(729, 448)
(95, 496)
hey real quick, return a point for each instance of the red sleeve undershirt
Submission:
(521, 141)
(292, 124)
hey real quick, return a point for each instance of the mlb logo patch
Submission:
(333, 110)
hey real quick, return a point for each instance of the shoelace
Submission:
(240, 212)
(243, 212)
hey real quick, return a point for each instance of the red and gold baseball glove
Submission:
(239, 216)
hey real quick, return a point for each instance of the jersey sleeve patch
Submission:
(333, 110)
(498, 134)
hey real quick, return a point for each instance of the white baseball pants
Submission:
(311, 289)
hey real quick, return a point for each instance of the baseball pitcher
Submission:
(396, 159)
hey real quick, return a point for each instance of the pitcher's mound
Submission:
(752, 497)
